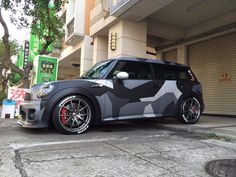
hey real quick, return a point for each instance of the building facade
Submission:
(77, 51)
(200, 33)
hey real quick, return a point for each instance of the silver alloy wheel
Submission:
(74, 115)
(191, 110)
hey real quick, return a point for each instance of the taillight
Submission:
(192, 78)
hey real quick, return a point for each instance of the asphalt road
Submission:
(114, 150)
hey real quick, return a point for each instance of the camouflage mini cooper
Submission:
(114, 90)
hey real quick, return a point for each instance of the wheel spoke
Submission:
(71, 106)
(80, 118)
(83, 108)
(67, 121)
(74, 114)
(72, 123)
(191, 110)
(78, 106)
(66, 108)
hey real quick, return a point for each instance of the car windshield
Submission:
(97, 71)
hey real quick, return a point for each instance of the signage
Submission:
(113, 41)
(26, 54)
(44, 69)
(20, 56)
(36, 45)
(18, 95)
(226, 77)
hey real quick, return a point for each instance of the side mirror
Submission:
(122, 75)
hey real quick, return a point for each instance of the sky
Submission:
(18, 34)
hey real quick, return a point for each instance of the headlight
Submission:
(45, 90)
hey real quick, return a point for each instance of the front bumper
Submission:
(31, 115)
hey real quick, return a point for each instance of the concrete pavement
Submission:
(207, 125)
(140, 148)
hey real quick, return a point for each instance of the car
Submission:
(117, 89)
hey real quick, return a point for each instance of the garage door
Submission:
(170, 55)
(214, 63)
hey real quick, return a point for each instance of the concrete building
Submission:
(200, 33)
(77, 50)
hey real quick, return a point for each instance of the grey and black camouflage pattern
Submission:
(114, 99)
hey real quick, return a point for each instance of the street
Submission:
(122, 149)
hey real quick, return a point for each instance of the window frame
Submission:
(110, 75)
(174, 69)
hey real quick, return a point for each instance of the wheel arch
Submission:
(68, 92)
(183, 97)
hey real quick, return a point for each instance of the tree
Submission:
(46, 25)
(4, 69)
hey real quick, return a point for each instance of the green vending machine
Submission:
(44, 69)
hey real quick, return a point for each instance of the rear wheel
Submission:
(73, 114)
(190, 111)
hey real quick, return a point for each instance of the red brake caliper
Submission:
(64, 111)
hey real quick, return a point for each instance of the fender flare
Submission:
(184, 97)
(47, 114)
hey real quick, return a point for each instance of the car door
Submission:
(169, 93)
(133, 97)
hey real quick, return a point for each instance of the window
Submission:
(98, 71)
(163, 73)
(168, 73)
(183, 75)
(136, 70)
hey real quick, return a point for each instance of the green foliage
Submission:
(218, 137)
(45, 22)
(14, 79)
(2, 95)
(14, 47)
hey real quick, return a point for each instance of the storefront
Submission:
(214, 63)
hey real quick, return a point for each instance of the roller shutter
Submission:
(170, 55)
(214, 64)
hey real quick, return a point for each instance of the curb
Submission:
(201, 131)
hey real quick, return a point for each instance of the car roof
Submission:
(157, 61)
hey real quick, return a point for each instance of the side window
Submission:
(136, 70)
(164, 73)
(183, 75)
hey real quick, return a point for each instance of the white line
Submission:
(18, 146)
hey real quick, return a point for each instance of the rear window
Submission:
(162, 73)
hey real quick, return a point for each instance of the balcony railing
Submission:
(70, 27)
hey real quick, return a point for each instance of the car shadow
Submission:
(132, 125)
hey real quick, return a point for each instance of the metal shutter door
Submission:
(212, 61)
(170, 55)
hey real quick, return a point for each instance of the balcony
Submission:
(100, 18)
(72, 37)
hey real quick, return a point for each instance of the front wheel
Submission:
(73, 114)
(190, 111)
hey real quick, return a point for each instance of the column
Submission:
(182, 54)
(86, 60)
(100, 49)
(131, 39)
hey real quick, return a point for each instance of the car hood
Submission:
(60, 85)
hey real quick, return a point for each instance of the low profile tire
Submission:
(189, 111)
(72, 115)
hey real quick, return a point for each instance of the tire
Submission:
(189, 111)
(73, 115)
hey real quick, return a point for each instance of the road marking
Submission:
(18, 146)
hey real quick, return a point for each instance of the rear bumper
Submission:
(31, 115)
